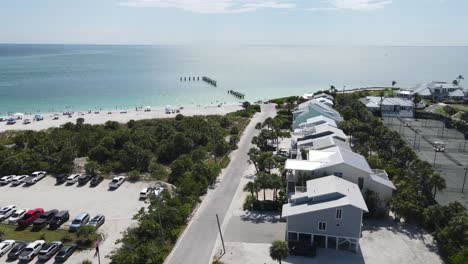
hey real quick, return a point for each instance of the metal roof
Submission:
(325, 193)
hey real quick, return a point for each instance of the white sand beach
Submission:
(104, 116)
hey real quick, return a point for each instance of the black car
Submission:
(16, 250)
(49, 250)
(83, 179)
(96, 180)
(44, 219)
(60, 179)
(65, 253)
(60, 218)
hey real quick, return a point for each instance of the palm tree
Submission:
(394, 83)
(250, 187)
(416, 101)
(460, 77)
(437, 182)
(279, 250)
(455, 82)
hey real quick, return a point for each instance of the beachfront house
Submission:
(328, 214)
(314, 108)
(390, 106)
(343, 163)
(437, 91)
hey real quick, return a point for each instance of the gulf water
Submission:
(50, 78)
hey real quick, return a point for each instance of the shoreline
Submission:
(115, 115)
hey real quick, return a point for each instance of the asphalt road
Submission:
(197, 242)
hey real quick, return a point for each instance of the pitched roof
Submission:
(324, 143)
(457, 93)
(387, 101)
(318, 120)
(325, 193)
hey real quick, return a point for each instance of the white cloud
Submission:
(358, 4)
(213, 6)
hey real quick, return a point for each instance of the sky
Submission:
(236, 22)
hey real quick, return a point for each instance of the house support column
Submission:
(326, 241)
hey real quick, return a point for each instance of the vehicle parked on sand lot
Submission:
(35, 177)
(7, 211)
(116, 182)
(44, 219)
(49, 250)
(14, 218)
(80, 220)
(95, 181)
(73, 179)
(5, 246)
(61, 178)
(6, 179)
(97, 221)
(16, 250)
(83, 179)
(31, 250)
(17, 180)
(65, 253)
(157, 191)
(60, 218)
(30, 216)
(145, 193)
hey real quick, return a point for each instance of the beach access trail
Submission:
(196, 244)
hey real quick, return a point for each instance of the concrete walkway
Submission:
(196, 244)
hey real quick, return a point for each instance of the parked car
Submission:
(31, 250)
(16, 251)
(281, 153)
(17, 180)
(38, 118)
(60, 218)
(65, 253)
(81, 220)
(26, 121)
(15, 217)
(145, 193)
(157, 191)
(7, 211)
(49, 250)
(96, 180)
(5, 246)
(6, 179)
(44, 219)
(35, 177)
(30, 216)
(83, 179)
(61, 178)
(72, 179)
(116, 182)
(97, 221)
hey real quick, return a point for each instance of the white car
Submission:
(17, 180)
(7, 211)
(158, 191)
(73, 178)
(144, 193)
(6, 179)
(5, 246)
(116, 182)
(17, 216)
(31, 250)
(35, 177)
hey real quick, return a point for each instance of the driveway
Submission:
(196, 244)
(118, 206)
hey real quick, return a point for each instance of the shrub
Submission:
(248, 202)
(66, 238)
(179, 117)
(134, 176)
(234, 131)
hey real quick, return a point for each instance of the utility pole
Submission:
(221, 234)
(464, 179)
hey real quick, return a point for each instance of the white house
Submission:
(391, 106)
(437, 90)
(343, 163)
(328, 214)
(314, 108)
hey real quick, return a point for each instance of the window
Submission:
(338, 174)
(322, 226)
(292, 236)
(339, 213)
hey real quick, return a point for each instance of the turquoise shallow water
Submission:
(47, 78)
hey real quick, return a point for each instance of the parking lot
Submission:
(118, 206)
(450, 164)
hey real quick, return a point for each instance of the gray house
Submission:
(328, 214)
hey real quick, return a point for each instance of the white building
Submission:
(437, 91)
(314, 108)
(391, 106)
(343, 163)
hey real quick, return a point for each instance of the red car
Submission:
(30, 216)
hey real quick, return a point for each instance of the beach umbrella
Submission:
(18, 115)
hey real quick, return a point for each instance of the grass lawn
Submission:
(11, 232)
(440, 111)
(462, 107)
(389, 92)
